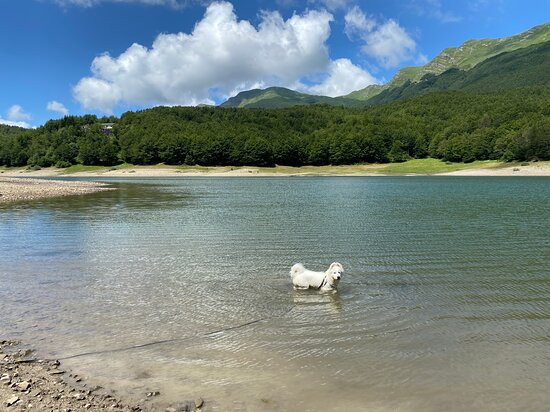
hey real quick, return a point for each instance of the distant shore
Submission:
(411, 167)
(16, 189)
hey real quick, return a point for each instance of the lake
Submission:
(181, 285)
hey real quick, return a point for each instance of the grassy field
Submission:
(101, 169)
(429, 166)
(416, 166)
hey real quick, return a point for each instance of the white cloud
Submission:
(16, 112)
(332, 4)
(357, 23)
(343, 78)
(389, 44)
(222, 56)
(421, 59)
(13, 123)
(55, 106)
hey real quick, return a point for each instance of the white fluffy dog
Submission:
(303, 278)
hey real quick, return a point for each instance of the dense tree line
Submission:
(455, 126)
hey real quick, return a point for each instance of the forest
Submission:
(455, 126)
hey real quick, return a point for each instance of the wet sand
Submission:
(23, 189)
(30, 383)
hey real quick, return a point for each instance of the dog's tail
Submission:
(296, 269)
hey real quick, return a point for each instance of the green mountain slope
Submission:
(279, 97)
(520, 68)
(464, 57)
(460, 68)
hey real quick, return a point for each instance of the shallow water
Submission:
(444, 305)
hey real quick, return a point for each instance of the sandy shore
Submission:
(17, 189)
(533, 169)
(29, 383)
(400, 169)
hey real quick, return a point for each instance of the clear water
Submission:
(444, 305)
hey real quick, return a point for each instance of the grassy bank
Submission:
(411, 167)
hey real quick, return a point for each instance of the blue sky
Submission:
(109, 56)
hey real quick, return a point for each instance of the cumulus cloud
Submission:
(219, 58)
(13, 123)
(357, 23)
(387, 42)
(343, 78)
(57, 107)
(16, 113)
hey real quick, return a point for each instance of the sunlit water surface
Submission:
(444, 305)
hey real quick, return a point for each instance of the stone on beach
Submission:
(13, 400)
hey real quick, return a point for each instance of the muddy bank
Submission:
(29, 383)
(23, 189)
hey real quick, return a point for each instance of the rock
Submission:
(188, 406)
(170, 410)
(151, 394)
(79, 396)
(199, 402)
(87, 406)
(13, 400)
(5, 377)
(24, 385)
(57, 372)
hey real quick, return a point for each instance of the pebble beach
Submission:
(24, 189)
(28, 383)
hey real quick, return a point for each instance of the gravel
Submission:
(15, 189)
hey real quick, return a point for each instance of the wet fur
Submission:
(303, 278)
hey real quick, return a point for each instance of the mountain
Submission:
(279, 97)
(475, 65)
(519, 68)
(465, 57)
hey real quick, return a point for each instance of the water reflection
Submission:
(446, 286)
(320, 300)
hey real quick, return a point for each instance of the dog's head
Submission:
(335, 271)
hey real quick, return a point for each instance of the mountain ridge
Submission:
(464, 57)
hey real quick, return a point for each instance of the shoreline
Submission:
(27, 382)
(21, 184)
(418, 167)
(20, 189)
